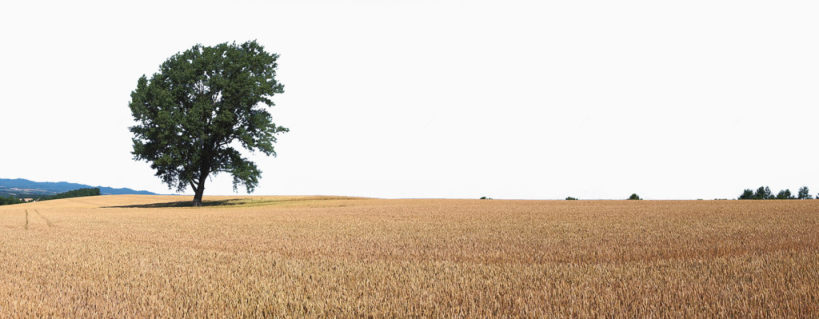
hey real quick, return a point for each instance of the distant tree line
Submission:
(10, 200)
(763, 192)
(75, 193)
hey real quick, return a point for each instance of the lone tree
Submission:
(763, 192)
(804, 193)
(784, 194)
(634, 197)
(200, 107)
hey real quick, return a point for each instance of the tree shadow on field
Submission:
(239, 202)
(185, 203)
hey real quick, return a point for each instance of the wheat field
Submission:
(265, 257)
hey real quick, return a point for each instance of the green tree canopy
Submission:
(763, 192)
(784, 194)
(804, 193)
(202, 106)
(9, 200)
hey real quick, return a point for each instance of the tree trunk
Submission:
(199, 190)
(197, 197)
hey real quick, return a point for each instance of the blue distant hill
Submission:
(22, 187)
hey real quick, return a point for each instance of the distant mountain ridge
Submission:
(20, 187)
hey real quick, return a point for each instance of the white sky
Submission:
(509, 99)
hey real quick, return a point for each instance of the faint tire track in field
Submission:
(48, 222)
